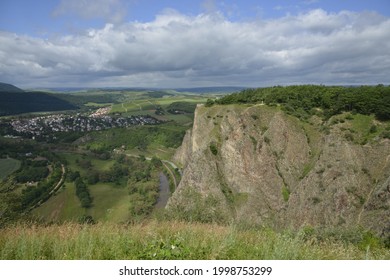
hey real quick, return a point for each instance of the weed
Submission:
(213, 149)
(285, 193)
(167, 240)
(254, 142)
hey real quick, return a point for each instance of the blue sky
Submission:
(45, 17)
(193, 43)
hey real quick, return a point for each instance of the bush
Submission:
(82, 193)
(385, 134)
(213, 149)
(373, 128)
(209, 102)
(285, 193)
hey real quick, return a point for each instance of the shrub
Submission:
(349, 137)
(285, 193)
(213, 149)
(373, 128)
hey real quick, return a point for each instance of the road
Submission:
(56, 187)
(165, 162)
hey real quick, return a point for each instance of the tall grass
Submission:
(171, 240)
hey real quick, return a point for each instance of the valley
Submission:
(299, 160)
(115, 155)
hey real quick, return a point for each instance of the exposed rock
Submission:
(264, 167)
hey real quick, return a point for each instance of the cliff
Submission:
(255, 164)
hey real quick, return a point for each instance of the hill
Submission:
(256, 164)
(16, 101)
(9, 88)
(210, 90)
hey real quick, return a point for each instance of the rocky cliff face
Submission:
(257, 165)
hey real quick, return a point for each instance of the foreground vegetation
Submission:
(177, 240)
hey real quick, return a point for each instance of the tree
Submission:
(156, 162)
(209, 102)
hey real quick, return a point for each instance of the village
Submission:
(38, 127)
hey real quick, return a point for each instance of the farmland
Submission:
(8, 166)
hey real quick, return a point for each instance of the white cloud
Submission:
(176, 50)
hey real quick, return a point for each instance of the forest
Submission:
(326, 101)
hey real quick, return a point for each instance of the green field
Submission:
(110, 200)
(64, 206)
(8, 166)
(149, 106)
(109, 204)
(143, 139)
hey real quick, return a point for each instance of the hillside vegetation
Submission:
(327, 101)
(9, 88)
(298, 161)
(16, 101)
(175, 240)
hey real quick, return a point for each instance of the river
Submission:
(163, 192)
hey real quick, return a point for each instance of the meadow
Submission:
(8, 166)
(154, 239)
(148, 106)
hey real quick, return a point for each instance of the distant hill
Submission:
(9, 88)
(14, 101)
(205, 90)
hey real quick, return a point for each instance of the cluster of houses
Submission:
(100, 112)
(43, 125)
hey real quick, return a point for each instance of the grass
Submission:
(94, 104)
(285, 193)
(101, 165)
(110, 200)
(109, 203)
(8, 166)
(171, 240)
(363, 128)
(362, 123)
(148, 106)
(64, 206)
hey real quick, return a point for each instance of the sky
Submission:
(172, 44)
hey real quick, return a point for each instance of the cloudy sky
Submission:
(162, 43)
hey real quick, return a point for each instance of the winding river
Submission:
(164, 193)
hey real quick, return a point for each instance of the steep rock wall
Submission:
(257, 165)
